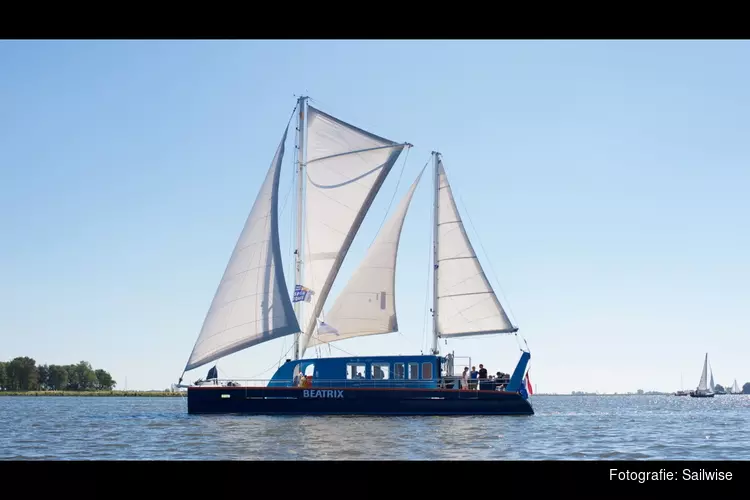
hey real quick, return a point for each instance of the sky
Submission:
(603, 184)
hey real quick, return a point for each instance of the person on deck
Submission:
(473, 378)
(465, 378)
(482, 372)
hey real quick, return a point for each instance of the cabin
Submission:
(416, 372)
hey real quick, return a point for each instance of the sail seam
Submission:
(358, 151)
(457, 258)
(464, 294)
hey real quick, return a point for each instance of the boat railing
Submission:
(320, 383)
(454, 382)
(447, 382)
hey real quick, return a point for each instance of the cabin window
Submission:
(426, 371)
(381, 371)
(398, 371)
(413, 371)
(355, 371)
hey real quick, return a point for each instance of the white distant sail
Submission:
(345, 168)
(703, 384)
(252, 304)
(466, 303)
(367, 305)
(736, 388)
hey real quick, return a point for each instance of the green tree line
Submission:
(23, 374)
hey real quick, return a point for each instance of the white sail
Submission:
(466, 303)
(713, 385)
(252, 304)
(367, 305)
(345, 168)
(703, 384)
(736, 388)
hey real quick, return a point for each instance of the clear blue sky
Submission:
(608, 181)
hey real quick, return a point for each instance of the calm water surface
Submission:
(564, 427)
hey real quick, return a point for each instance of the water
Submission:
(564, 427)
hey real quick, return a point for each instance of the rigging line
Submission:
(489, 261)
(286, 198)
(390, 203)
(278, 362)
(292, 215)
(340, 349)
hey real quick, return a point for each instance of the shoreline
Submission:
(103, 394)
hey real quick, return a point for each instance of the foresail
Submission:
(466, 303)
(251, 304)
(345, 168)
(367, 305)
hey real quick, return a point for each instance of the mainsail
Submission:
(252, 304)
(703, 384)
(736, 388)
(367, 305)
(466, 303)
(345, 168)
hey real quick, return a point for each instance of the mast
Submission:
(301, 102)
(435, 332)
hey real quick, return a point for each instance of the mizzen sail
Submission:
(466, 303)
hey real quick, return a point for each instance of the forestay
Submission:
(345, 168)
(252, 303)
(466, 303)
(367, 305)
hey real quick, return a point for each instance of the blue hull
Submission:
(353, 401)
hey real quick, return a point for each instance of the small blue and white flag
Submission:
(302, 293)
(326, 328)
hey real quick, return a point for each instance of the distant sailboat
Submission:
(682, 391)
(735, 388)
(703, 390)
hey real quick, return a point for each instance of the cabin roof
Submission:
(402, 357)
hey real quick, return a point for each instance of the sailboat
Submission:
(735, 388)
(681, 392)
(340, 169)
(703, 390)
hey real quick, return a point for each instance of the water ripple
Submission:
(564, 427)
